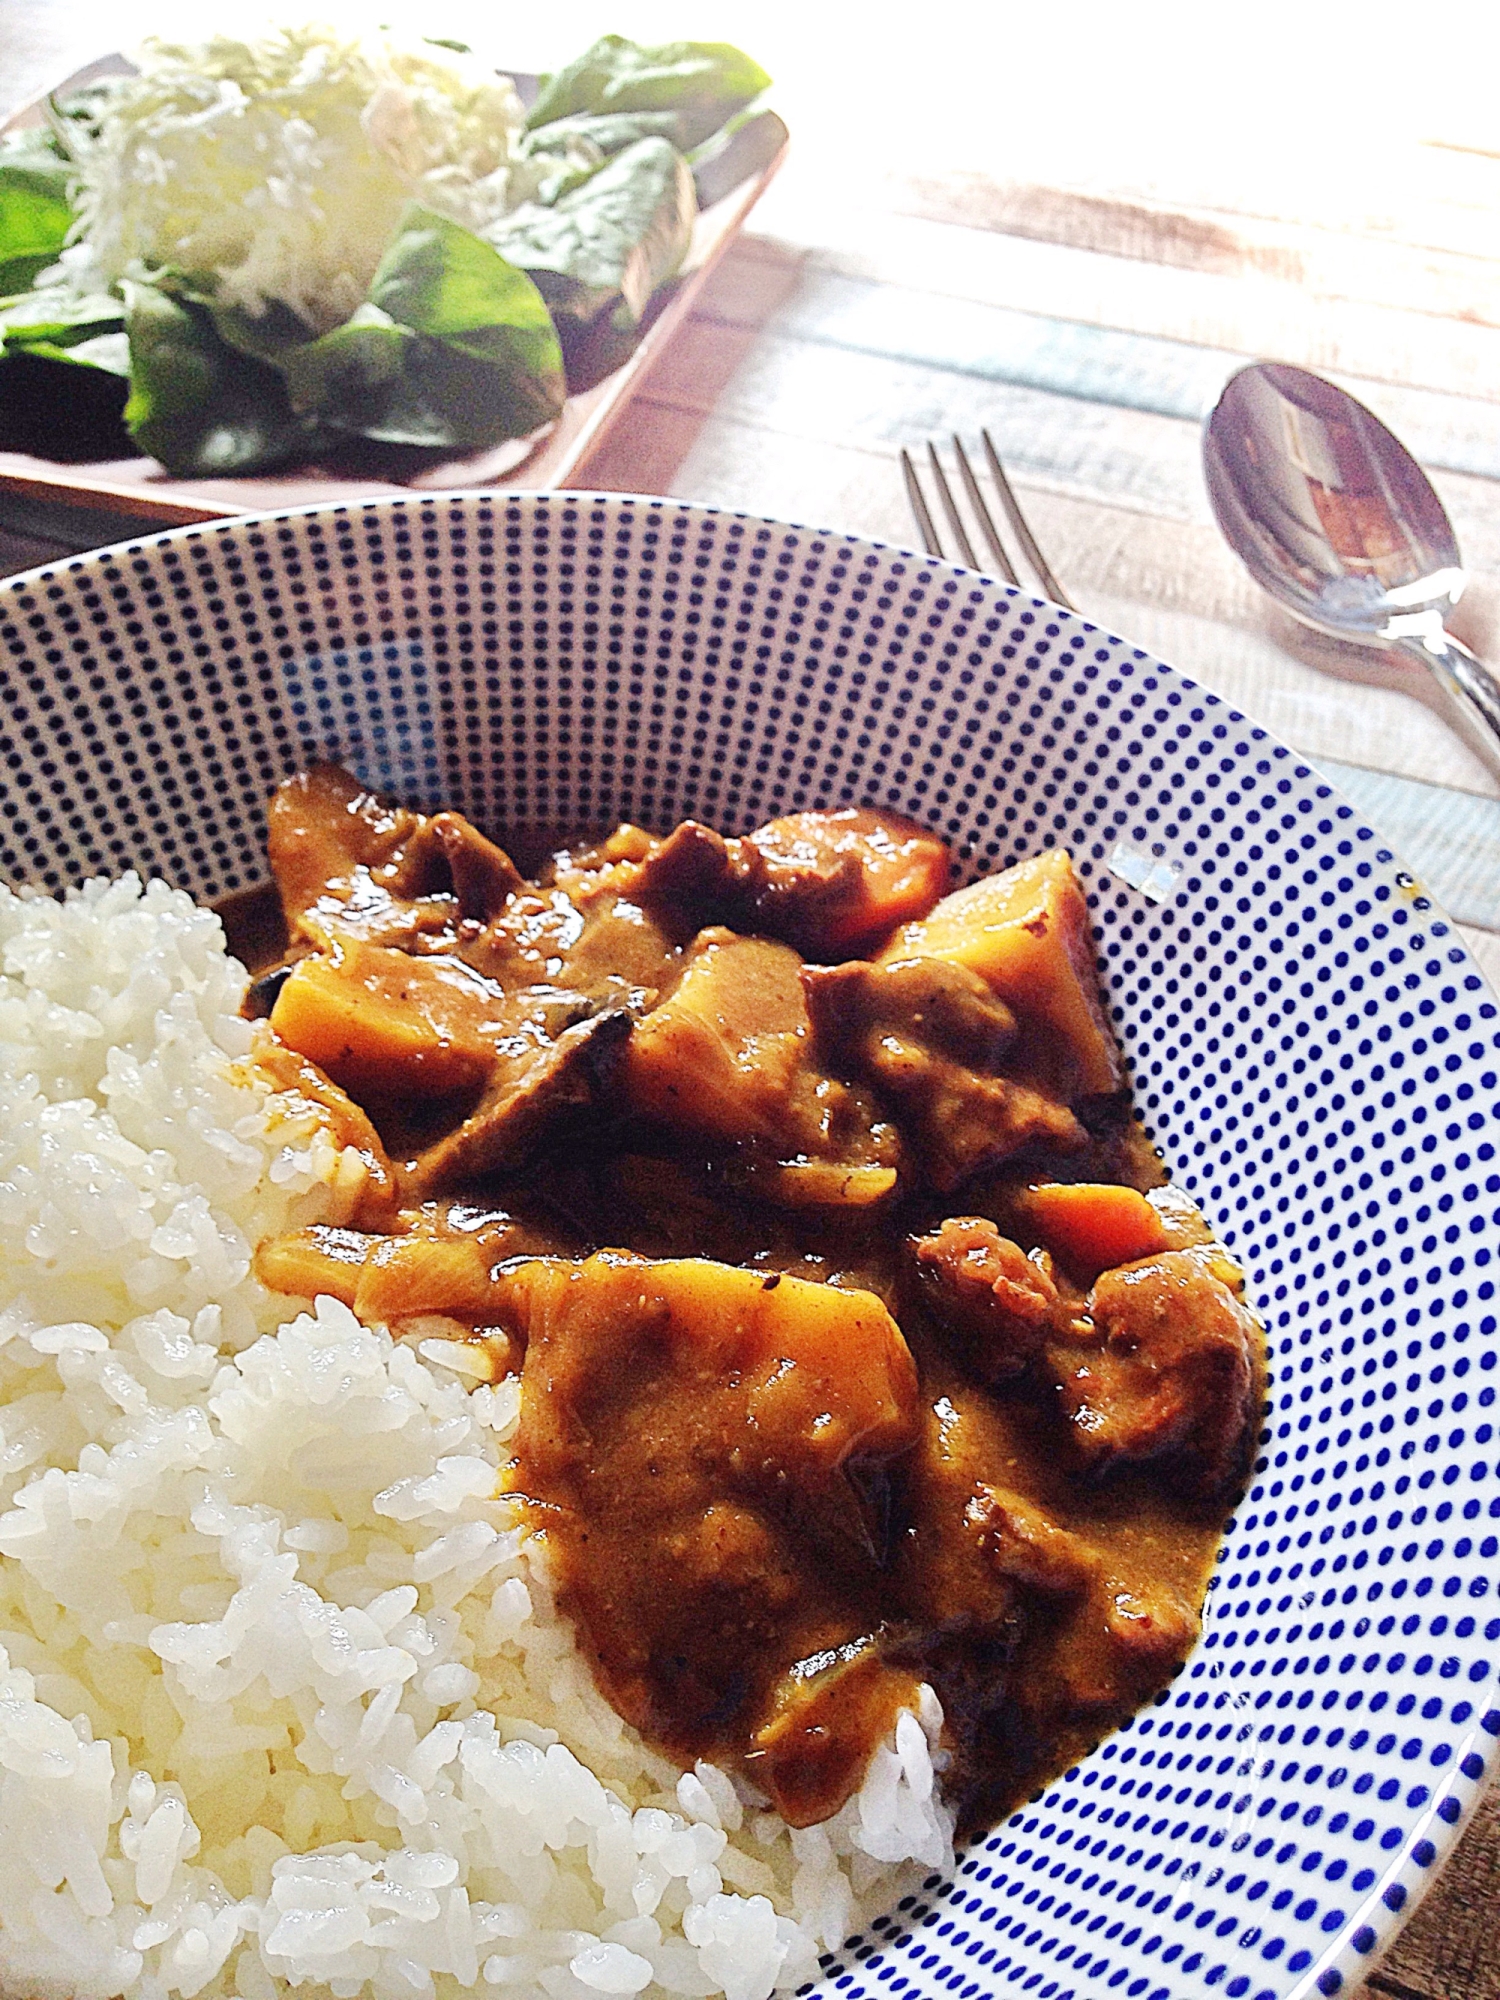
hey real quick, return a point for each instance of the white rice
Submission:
(283, 1696)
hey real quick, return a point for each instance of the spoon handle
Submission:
(1471, 685)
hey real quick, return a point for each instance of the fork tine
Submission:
(986, 520)
(950, 508)
(1050, 585)
(918, 500)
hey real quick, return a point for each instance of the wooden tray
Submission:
(126, 491)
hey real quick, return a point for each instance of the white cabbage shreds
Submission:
(284, 1700)
(275, 170)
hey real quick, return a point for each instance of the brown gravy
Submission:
(861, 1346)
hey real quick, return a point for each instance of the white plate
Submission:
(1312, 1048)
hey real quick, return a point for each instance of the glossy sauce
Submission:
(860, 1345)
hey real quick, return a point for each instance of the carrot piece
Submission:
(1094, 1225)
(860, 872)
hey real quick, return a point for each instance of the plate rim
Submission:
(1441, 1836)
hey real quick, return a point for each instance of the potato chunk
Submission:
(382, 1023)
(685, 1429)
(822, 1372)
(729, 1055)
(720, 1056)
(1027, 933)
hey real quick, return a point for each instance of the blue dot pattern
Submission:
(1312, 1049)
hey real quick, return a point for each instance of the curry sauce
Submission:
(863, 1349)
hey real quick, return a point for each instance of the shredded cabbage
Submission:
(274, 171)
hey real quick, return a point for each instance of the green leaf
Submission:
(265, 336)
(611, 132)
(702, 82)
(109, 351)
(345, 375)
(54, 323)
(606, 246)
(195, 403)
(745, 146)
(35, 215)
(454, 349)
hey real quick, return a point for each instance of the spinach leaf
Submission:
(264, 336)
(195, 403)
(606, 246)
(745, 146)
(55, 325)
(610, 131)
(702, 82)
(346, 376)
(454, 348)
(35, 215)
(109, 351)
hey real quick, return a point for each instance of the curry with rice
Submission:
(864, 1347)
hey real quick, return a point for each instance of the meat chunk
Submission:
(1118, 1645)
(932, 1038)
(688, 879)
(1024, 1543)
(838, 882)
(446, 851)
(537, 1078)
(1026, 933)
(347, 862)
(944, 1577)
(1163, 1369)
(829, 883)
(998, 1305)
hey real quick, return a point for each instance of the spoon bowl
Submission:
(1334, 518)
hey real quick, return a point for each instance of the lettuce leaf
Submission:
(746, 145)
(54, 324)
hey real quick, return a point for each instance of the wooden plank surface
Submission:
(1084, 298)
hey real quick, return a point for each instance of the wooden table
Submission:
(1088, 314)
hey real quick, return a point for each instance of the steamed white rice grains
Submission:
(283, 1696)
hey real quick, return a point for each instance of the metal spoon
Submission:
(1335, 518)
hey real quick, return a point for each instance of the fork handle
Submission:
(1469, 683)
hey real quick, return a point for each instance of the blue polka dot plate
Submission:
(1313, 1051)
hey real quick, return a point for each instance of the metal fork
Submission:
(931, 541)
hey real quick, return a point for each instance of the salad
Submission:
(283, 243)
